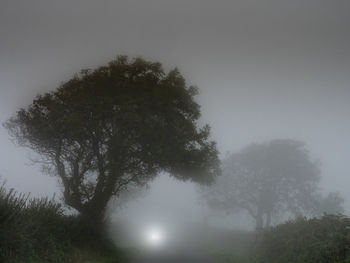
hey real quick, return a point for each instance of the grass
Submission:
(37, 230)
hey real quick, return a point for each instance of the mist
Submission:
(265, 70)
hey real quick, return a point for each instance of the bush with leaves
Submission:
(36, 229)
(321, 240)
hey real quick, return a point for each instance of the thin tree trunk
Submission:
(259, 219)
(258, 230)
(268, 219)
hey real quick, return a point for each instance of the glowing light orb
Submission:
(155, 236)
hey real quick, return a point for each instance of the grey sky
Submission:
(265, 69)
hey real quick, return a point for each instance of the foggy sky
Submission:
(265, 69)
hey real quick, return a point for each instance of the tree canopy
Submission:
(332, 204)
(267, 180)
(117, 125)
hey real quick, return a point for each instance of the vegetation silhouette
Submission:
(37, 230)
(270, 180)
(116, 126)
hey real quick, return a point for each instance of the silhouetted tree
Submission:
(119, 124)
(266, 180)
(332, 203)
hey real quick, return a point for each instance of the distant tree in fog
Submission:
(118, 125)
(267, 180)
(332, 203)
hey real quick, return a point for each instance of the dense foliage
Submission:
(321, 240)
(36, 230)
(116, 126)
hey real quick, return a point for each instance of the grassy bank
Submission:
(321, 240)
(37, 230)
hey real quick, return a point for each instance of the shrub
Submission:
(321, 240)
(36, 230)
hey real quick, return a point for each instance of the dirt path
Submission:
(182, 257)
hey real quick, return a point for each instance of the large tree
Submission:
(267, 180)
(117, 125)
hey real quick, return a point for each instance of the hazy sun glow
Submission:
(155, 236)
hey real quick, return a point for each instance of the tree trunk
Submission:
(259, 223)
(259, 220)
(268, 219)
(95, 216)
